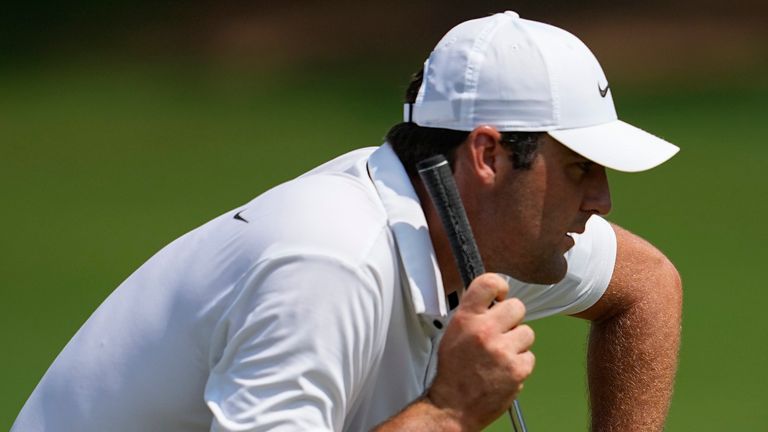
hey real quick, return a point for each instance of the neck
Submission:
(445, 260)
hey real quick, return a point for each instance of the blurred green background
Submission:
(122, 126)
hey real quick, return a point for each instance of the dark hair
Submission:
(413, 143)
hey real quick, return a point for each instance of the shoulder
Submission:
(328, 213)
(637, 259)
(641, 273)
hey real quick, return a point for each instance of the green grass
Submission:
(101, 166)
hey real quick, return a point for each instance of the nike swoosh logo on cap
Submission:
(603, 92)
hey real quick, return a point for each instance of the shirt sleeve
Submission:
(590, 267)
(297, 345)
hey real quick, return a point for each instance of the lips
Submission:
(570, 242)
(579, 230)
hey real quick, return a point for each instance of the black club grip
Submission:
(438, 179)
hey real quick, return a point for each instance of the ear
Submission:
(482, 153)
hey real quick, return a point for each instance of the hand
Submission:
(484, 355)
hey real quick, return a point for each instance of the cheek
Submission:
(561, 208)
(562, 205)
(525, 207)
(537, 208)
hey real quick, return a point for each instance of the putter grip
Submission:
(438, 179)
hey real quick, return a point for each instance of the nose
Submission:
(597, 198)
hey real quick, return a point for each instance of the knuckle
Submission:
(528, 335)
(482, 335)
(518, 305)
(498, 351)
(480, 282)
(491, 282)
(516, 308)
(522, 367)
(529, 361)
(492, 279)
(519, 374)
(460, 318)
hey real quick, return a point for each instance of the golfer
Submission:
(332, 302)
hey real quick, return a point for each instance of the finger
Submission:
(520, 339)
(507, 314)
(527, 361)
(483, 291)
(523, 366)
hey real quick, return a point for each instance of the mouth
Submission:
(579, 230)
(570, 241)
(570, 235)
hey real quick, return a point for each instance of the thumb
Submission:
(483, 291)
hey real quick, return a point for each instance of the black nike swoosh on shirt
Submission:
(240, 218)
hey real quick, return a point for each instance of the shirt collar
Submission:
(409, 226)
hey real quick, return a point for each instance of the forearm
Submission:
(421, 415)
(632, 363)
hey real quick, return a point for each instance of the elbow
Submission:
(644, 282)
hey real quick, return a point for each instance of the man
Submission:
(321, 304)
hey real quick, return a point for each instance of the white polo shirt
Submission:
(316, 306)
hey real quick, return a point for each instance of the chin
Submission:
(551, 272)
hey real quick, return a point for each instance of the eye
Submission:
(585, 166)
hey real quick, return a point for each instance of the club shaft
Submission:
(516, 417)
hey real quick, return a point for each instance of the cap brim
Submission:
(617, 145)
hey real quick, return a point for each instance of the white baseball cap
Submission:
(520, 75)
